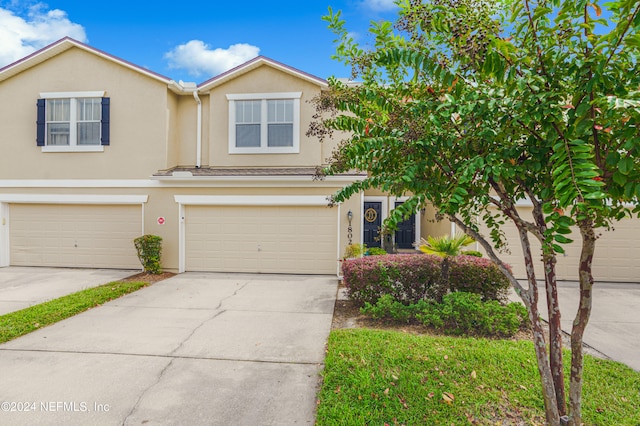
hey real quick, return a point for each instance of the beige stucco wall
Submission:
(263, 79)
(431, 227)
(185, 138)
(174, 124)
(138, 127)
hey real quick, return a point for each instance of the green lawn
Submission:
(16, 324)
(374, 377)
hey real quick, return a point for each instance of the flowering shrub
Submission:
(408, 278)
(478, 275)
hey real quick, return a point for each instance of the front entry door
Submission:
(372, 223)
(406, 232)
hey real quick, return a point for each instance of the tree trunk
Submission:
(444, 273)
(553, 310)
(555, 332)
(547, 380)
(581, 320)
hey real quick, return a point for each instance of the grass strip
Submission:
(379, 377)
(24, 321)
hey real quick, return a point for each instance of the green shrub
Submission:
(376, 251)
(478, 275)
(466, 313)
(149, 249)
(408, 278)
(474, 253)
(388, 308)
(355, 250)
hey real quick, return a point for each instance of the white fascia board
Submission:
(64, 95)
(526, 202)
(252, 200)
(258, 96)
(258, 181)
(78, 183)
(184, 182)
(72, 199)
(73, 148)
(523, 202)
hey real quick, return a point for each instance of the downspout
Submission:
(199, 130)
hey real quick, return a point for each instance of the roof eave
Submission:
(63, 45)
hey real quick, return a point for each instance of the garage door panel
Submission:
(284, 239)
(617, 255)
(74, 235)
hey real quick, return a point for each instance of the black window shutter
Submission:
(105, 121)
(40, 123)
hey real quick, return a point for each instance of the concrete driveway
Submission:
(216, 349)
(614, 326)
(21, 287)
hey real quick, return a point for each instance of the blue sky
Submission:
(190, 40)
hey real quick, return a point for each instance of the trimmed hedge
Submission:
(409, 278)
(478, 275)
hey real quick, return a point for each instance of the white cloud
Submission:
(22, 35)
(198, 58)
(380, 5)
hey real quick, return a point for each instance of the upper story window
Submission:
(73, 121)
(264, 123)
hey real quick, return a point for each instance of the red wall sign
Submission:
(161, 221)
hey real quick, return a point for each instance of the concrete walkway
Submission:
(21, 287)
(614, 326)
(215, 349)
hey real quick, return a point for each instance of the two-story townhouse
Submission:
(96, 151)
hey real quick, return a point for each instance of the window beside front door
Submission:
(264, 123)
(73, 122)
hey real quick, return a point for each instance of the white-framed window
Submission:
(72, 121)
(264, 123)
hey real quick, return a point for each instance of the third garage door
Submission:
(617, 256)
(269, 239)
(87, 236)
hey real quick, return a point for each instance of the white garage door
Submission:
(88, 236)
(273, 239)
(617, 256)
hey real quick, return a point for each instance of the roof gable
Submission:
(256, 63)
(65, 44)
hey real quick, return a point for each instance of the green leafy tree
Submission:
(474, 105)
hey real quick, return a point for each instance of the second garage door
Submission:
(270, 239)
(617, 256)
(88, 236)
